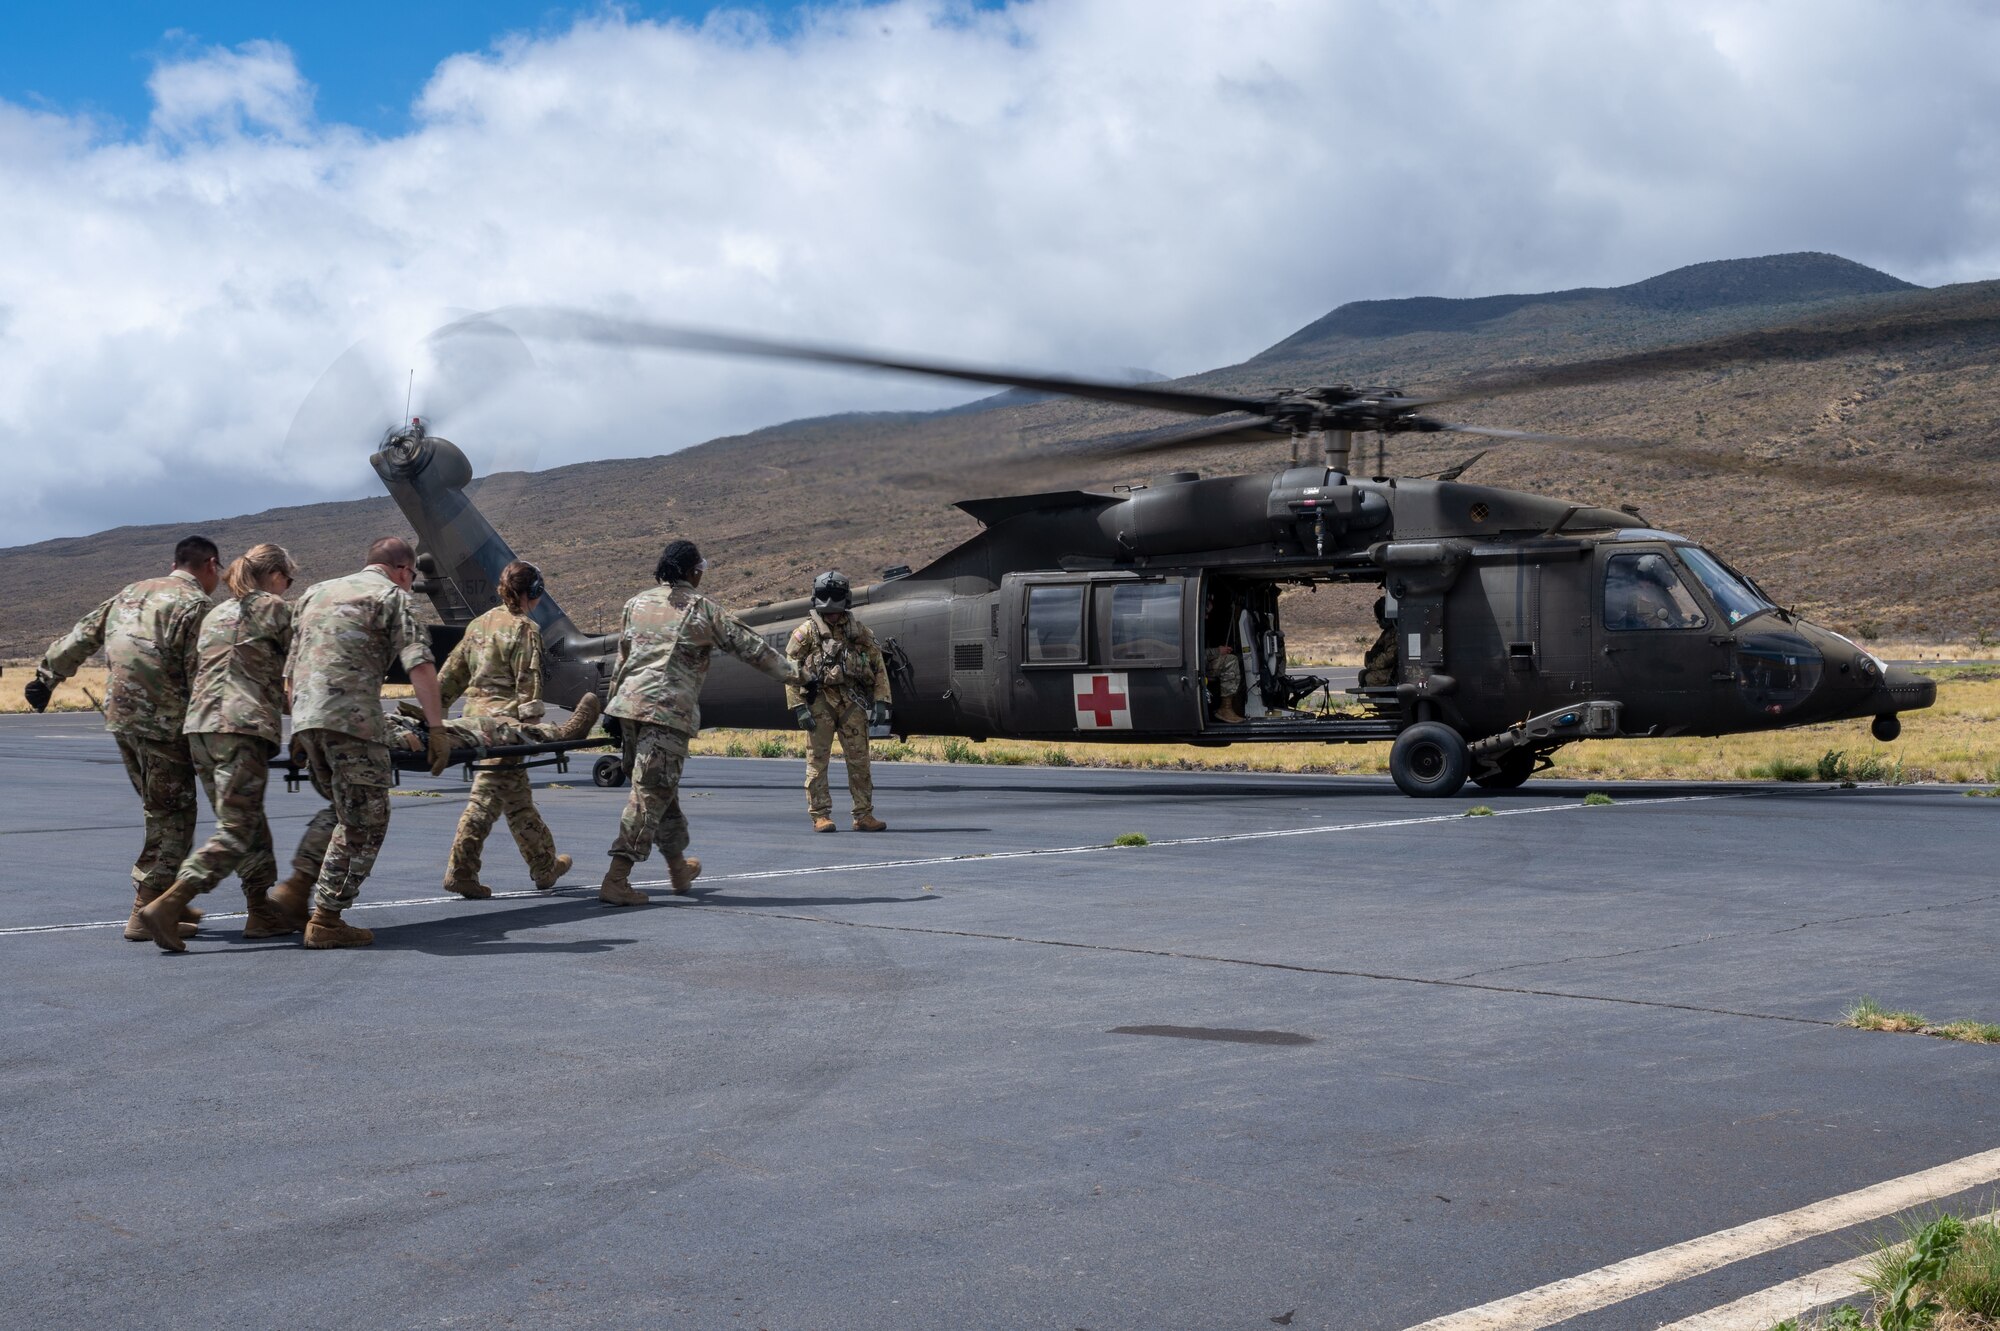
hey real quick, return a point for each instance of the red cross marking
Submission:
(1100, 700)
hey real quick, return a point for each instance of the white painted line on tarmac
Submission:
(1316, 829)
(1577, 1295)
(1768, 1307)
(970, 857)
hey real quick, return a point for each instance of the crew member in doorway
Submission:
(1221, 666)
(842, 686)
(1378, 667)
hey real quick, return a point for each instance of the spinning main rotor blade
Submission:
(1813, 341)
(583, 326)
(1236, 429)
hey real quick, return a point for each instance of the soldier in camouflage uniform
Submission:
(148, 633)
(842, 686)
(663, 649)
(346, 633)
(234, 721)
(1378, 665)
(497, 667)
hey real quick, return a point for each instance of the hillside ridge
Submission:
(864, 491)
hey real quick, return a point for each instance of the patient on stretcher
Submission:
(407, 729)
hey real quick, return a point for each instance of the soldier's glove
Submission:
(38, 694)
(878, 715)
(440, 748)
(804, 716)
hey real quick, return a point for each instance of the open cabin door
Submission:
(1101, 656)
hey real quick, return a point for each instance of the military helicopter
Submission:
(1513, 623)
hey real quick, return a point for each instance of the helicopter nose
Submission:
(1907, 690)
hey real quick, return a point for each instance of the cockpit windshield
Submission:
(1737, 600)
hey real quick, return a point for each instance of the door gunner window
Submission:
(1055, 624)
(1641, 591)
(1146, 622)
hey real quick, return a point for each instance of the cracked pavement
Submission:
(1445, 1058)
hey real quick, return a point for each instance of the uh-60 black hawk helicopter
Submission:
(1519, 623)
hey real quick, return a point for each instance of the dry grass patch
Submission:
(70, 694)
(1869, 1015)
(1958, 740)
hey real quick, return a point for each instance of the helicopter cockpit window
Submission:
(1146, 621)
(1738, 601)
(1055, 624)
(1642, 591)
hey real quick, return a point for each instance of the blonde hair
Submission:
(258, 560)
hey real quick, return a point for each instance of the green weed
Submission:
(1870, 1015)
(1784, 769)
(1131, 839)
(1972, 1032)
(958, 750)
(736, 748)
(889, 751)
(1479, 811)
(774, 747)
(1903, 1278)
(1057, 758)
(1596, 798)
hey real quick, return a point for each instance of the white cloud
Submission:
(1162, 183)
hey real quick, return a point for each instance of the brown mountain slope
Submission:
(1915, 553)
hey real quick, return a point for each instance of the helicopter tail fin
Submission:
(459, 554)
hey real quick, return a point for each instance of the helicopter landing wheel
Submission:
(1511, 770)
(1429, 761)
(1886, 727)
(607, 772)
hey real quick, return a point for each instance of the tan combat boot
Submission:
(617, 889)
(1226, 713)
(588, 709)
(560, 865)
(683, 870)
(469, 888)
(162, 916)
(822, 823)
(135, 925)
(293, 899)
(267, 918)
(868, 822)
(325, 929)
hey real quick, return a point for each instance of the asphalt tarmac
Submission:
(1320, 1056)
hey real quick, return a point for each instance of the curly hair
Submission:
(677, 562)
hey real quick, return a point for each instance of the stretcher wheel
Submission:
(607, 772)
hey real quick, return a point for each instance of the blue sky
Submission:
(367, 58)
(212, 205)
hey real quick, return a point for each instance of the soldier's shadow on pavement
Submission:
(716, 897)
(482, 933)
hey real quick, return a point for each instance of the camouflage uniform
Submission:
(346, 633)
(1225, 671)
(148, 633)
(234, 723)
(668, 635)
(1378, 667)
(848, 673)
(497, 666)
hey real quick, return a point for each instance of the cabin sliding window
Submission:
(1055, 624)
(1145, 622)
(1642, 591)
